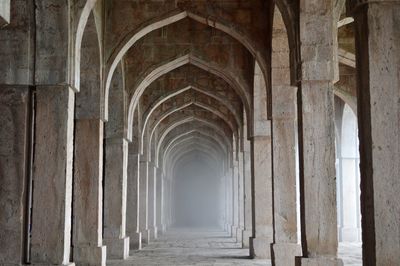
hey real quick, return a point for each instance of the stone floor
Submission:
(351, 254)
(186, 247)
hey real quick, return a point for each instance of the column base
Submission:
(284, 254)
(87, 255)
(135, 241)
(117, 248)
(239, 235)
(318, 261)
(246, 234)
(260, 248)
(145, 236)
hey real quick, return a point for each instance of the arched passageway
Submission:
(203, 132)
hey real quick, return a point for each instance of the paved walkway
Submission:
(184, 247)
(351, 254)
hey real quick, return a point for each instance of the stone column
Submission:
(227, 226)
(166, 203)
(143, 200)
(152, 184)
(316, 137)
(317, 179)
(247, 233)
(15, 153)
(262, 238)
(52, 175)
(222, 202)
(377, 26)
(171, 202)
(159, 201)
(88, 193)
(115, 190)
(285, 247)
(229, 202)
(235, 198)
(240, 199)
(132, 203)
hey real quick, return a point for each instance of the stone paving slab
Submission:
(351, 254)
(184, 247)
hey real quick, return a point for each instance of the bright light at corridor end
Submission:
(197, 193)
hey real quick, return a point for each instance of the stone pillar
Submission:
(262, 238)
(15, 141)
(229, 202)
(222, 202)
(235, 198)
(377, 26)
(316, 137)
(285, 247)
(227, 226)
(52, 175)
(159, 201)
(247, 233)
(152, 184)
(164, 202)
(170, 202)
(132, 203)
(317, 180)
(240, 199)
(115, 189)
(143, 201)
(88, 193)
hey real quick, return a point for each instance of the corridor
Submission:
(189, 247)
(123, 123)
